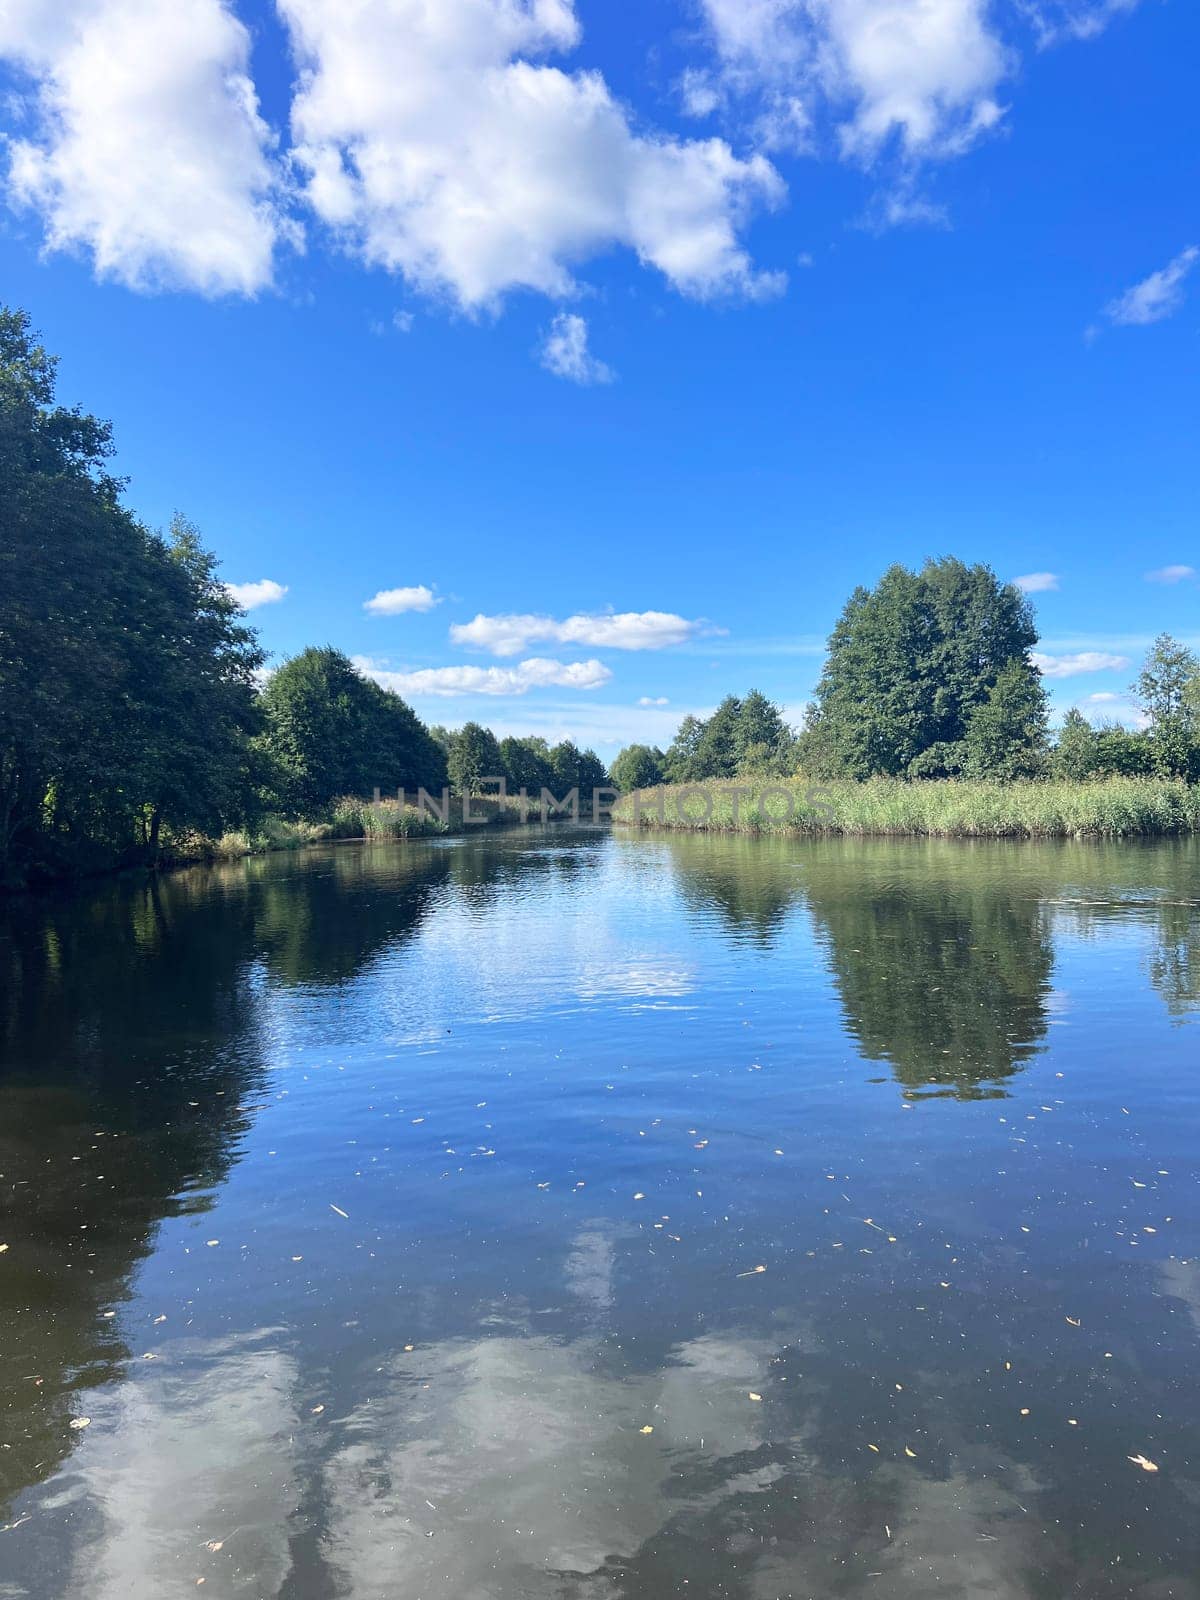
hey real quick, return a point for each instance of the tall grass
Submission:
(272, 833)
(1109, 808)
(381, 819)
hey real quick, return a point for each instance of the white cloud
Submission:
(1070, 666)
(565, 352)
(620, 630)
(1055, 21)
(535, 673)
(654, 700)
(1103, 697)
(147, 150)
(437, 147)
(403, 321)
(393, 602)
(1037, 582)
(1156, 297)
(925, 72)
(1176, 574)
(266, 592)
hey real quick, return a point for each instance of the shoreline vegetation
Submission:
(143, 727)
(1107, 808)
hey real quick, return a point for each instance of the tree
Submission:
(909, 662)
(1075, 752)
(718, 748)
(1122, 751)
(526, 764)
(572, 768)
(474, 757)
(1006, 733)
(126, 673)
(638, 766)
(681, 759)
(763, 741)
(1168, 692)
(331, 732)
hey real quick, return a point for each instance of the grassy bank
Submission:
(1110, 808)
(351, 818)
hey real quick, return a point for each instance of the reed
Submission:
(1109, 808)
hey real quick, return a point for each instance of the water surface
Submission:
(578, 1215)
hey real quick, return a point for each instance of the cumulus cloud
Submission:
(1156, 297)
(266, 592)
(1176, 574)
(565, 352)
(393, 602)
(146, 150)
(619, 630)
(923, 72)
(536, 673)
(437, 146)
(653, 700)
(1036, 582)
(1070, 666)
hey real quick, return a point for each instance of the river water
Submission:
(585, 1214)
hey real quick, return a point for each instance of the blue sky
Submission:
(657, 327)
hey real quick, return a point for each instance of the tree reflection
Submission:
(945, 979)
(132, 1053)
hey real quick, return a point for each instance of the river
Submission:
(574, 1214)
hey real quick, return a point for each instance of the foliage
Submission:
(638, 766)
(1006, 733)
(1102, 808)
(572, 768)
(353, 818)
(742, 736)
(474, 757)
(911, 662)
(526, 765)
(1168, 691)
(126, 675)
(330, 732)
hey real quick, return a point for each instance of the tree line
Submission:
(931, 674)
(134, 712)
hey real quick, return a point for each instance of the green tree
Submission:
(330, 731)
(1006, 732)
(1168, 692)
(126, 673)
(718, 748)
(1123, 752)
(763, 741)
(526, 765)
(638, 766)
(1075, 750)
(474, 757)
(909, 662)
(681, 764)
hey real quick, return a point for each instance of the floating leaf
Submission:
(754, 1396)
(81, 1422)
(1145, 1463)
(648, 1428)
(912, 1454)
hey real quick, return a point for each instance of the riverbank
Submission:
(1110, 808)
(348, 820)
